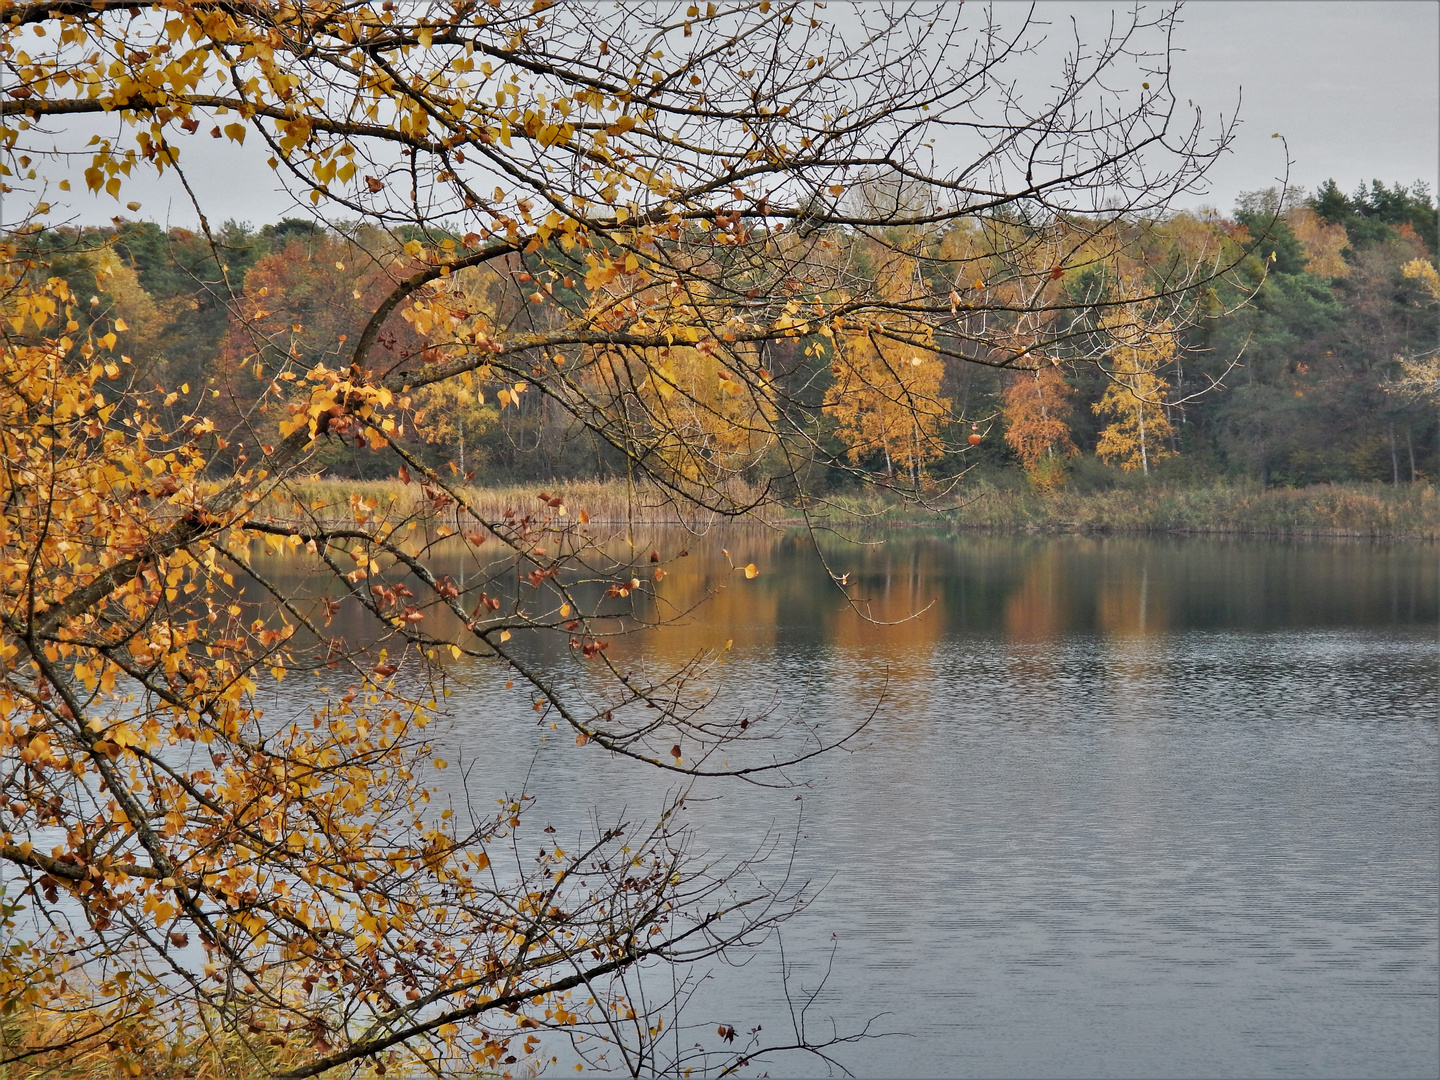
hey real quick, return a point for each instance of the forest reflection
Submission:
(891, 599)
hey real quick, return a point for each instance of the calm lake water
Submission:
(1127, 808)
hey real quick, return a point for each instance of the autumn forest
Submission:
(1314, 362)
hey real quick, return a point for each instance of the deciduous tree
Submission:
(1036, 408)
(1135, 397)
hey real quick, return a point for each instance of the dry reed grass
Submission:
(259, 1051)
(1377, 511)
(606, 502)
(1410, 512)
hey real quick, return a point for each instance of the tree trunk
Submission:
(1394, 457)
(1144, 457)
(915, 460)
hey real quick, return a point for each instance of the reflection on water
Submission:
(1130, 807)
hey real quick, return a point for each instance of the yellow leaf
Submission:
(751, 570)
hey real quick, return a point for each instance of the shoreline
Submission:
(1407, 514)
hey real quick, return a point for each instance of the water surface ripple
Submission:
(1115, 817)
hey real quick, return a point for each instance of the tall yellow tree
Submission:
(886, 389)
(886, 398)
(1140, 348)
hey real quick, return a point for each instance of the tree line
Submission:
(1314, 362)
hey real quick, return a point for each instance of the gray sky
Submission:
(1353, 86)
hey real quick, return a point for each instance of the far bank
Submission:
(1407, 512)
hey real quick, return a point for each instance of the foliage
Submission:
(1135, 397)
(886, 400)
(1036, 408)
(1371, 214)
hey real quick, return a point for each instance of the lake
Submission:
(1127, 807)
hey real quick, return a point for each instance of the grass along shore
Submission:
(1375, 511)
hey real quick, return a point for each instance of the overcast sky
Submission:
(1353, 86)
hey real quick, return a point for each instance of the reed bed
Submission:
(1377, 511)
(605, 502)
